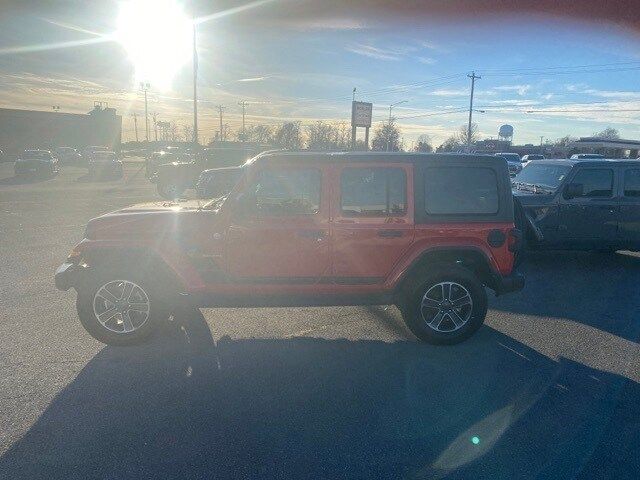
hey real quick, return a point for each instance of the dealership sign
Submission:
(361, 114)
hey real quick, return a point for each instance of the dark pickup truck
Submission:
(579, 204)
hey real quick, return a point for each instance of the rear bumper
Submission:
(508, 283)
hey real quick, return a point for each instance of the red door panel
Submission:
(371, 228)
(287, 239)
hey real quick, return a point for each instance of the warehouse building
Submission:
(24, 129)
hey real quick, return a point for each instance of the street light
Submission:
(390, 109)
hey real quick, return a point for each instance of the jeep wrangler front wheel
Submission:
(119, 309)
(445, 306)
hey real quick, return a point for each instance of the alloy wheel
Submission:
(446, 307)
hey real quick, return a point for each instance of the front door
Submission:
(591, 219)
(630, 208)
(284, 237)
(373, 221)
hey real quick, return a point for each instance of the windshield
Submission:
(547, 176)
(35, 155)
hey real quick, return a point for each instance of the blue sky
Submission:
(305, 69)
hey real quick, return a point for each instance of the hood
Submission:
(530, 199)
(153, 219)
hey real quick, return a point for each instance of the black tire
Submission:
(153, 290)
(169, 191)
(423, 283)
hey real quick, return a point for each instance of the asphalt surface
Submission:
(548, 389)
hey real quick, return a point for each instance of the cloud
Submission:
(426, 60)
(254, 79)
(373, 52)
(451, 92)
(520, 89)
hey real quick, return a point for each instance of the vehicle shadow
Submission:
(561, 285)
(185, 406)
(24, 179)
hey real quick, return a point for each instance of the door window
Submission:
(632, 183)
(283, 191)
(596, 182)
(373, 192)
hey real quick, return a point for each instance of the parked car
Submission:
(532, 156)
(105, 164)
(579, 204)
(217, 182)
(587, 156)
(161, 157)
(68, 155)
(37, 162)
(173, 178)
(304, 229)
(513, 162)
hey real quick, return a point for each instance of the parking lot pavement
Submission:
(549, 388)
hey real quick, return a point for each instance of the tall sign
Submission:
(360, 117)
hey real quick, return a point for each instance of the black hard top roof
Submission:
(372, 157)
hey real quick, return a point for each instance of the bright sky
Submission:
(305, 67)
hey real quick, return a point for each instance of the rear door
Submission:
(373, 220)
(590, 220)
(630, 206)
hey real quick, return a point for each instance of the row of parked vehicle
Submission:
(100, 161)
(515, 163)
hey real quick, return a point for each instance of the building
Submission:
(24, 129)
(609, 147)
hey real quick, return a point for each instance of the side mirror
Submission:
(573, 190)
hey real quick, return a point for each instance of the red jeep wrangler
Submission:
(424, 232)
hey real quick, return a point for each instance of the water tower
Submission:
(505, 133)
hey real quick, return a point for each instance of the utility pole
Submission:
(243, 104)
(220, 109)
(135, 126)
(541, 138)
(155, 126)
(473, 77)
(195, 87)
(354, 95)
(144, 87)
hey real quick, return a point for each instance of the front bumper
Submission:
(67, 276)
(508, 283)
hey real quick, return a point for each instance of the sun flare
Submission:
(157, 36)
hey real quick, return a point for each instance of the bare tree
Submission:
(424, 144)
(188, 132)
(387, 137)
(288, 136)
(259, 134)
(463, 133)
(321, 136)
(451, 144)
(609, 133)
(342, 132)
(564, 141)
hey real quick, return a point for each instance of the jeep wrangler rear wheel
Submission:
(118, 308)
(445, 306)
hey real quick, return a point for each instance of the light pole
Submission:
(389, 124)
(144, 87)
(195, 87)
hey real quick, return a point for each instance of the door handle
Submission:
(390, 233)
(315, 234)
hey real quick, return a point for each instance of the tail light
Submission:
(514, 241)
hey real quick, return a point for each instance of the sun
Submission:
(157, 36)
